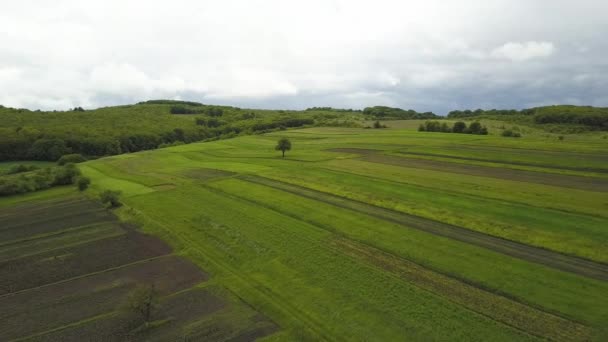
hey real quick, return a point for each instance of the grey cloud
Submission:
(426, 55)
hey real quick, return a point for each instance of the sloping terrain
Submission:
(67, 266)
(471, 237)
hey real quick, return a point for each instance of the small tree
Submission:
(459, 127)
(283, 145)
(111, 198)
(83, 183)
(142, 301)
(475, 127)
(377, 124)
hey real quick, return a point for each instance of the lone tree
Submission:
(142, 301)
(283, 145)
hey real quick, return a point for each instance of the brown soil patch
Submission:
(567, 181)
(43, 308)
(56, 265)
(207, 174)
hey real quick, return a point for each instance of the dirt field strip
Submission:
(502, 309)
(545, 257)
(567, 181)
(590, 169)
(64, 281)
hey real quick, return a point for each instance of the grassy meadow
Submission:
(382, 234)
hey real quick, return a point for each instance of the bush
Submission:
(21, 168)
(38, 179)
(110, 198)
(83, 183)
(510, 133)
(66, 175)
(71, 158)
(459, 127)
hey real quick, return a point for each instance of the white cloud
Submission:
(524, 51)
(431, 53)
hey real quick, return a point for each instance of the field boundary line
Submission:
(68, 245)
(66, 326)
(551, 259)
(249, 284)
(334, 247)
(86, 275)
(448, 275)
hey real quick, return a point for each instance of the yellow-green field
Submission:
(385, 234)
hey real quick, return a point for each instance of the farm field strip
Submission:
(69, 283)
(65, 238)
(540, 227)
(67, 302)
(529, 253)
(288, 259)
(568, 181)
(539, 196)
(592, 162)
(497, 307)
(36, 207)
(41, 228)
(505, 310)
(563, 294)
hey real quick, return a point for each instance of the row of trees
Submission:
(458, 127)
(38, 179)
(383, 112)
(594, 120)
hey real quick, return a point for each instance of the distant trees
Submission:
(110, 198)
(458, 127)
(396, 113)
(71, 158)
(283, 145)
(48, 149)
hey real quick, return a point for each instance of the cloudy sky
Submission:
(434, 55)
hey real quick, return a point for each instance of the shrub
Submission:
(65, 175)
(510, 133)
(21, 168)
(83, 183)
(432, 126)
(71, 158)
(459, 127)
(110, 198)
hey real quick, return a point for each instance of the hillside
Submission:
(36, 135)
(557, 118)
(385, 235)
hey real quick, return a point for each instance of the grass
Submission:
(322, 268)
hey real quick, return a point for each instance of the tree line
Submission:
(458, 127)
(383, 112)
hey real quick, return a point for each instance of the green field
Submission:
(381, 235)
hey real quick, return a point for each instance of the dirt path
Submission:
(541, 256)
(567, 181)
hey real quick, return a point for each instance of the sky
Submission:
(431, 55)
